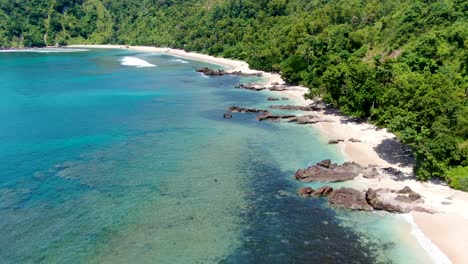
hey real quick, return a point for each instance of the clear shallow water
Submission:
(111, 163)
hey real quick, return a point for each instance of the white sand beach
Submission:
(447, 228)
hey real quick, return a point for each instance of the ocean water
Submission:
(122, 157)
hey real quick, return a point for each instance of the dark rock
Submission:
(349, 198)
(305, 192)
(278, 88)
(393, 172)
(273, 99)
(236, 109)
(335, 141)
(227, 116)
(333, 173)
(354, 140)
(284, 98)
(211, 72)
(250, 87)
(271, 117)
(322, 191)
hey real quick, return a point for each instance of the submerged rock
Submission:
(326, 172)
(349, 198)
(227, 116)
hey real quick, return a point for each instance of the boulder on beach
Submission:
(349, 198)
(335, 141)
(401, 201)
(324, 171)
(393, 201)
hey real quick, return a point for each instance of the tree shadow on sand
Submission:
(395, 153)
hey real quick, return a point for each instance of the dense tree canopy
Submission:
(402, 64)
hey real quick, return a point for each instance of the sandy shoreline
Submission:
(447, 229)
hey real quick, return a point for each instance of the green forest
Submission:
(401, 64)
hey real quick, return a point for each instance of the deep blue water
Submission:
(107, 163)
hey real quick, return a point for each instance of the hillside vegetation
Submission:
(402, 64)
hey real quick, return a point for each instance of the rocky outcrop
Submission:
(278, 88)
(322, 191)
(271, 117)
(305, 192)
(251, 87)
(211, 72)
(349, 198)
(324, 171)
(335, 141)
(237, 109)
(401, 201)
(355, 140)
(219, 72)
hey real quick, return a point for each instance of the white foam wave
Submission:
(433, 251)
(179, 61)
(135, 62)
(45, 50)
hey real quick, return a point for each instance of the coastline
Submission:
(442, 228)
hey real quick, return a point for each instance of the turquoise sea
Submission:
(103, 161)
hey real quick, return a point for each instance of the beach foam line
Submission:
(433, 251)
(135, 62)
(180, 61)
(45, 50)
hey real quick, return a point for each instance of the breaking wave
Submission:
(135, 62)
